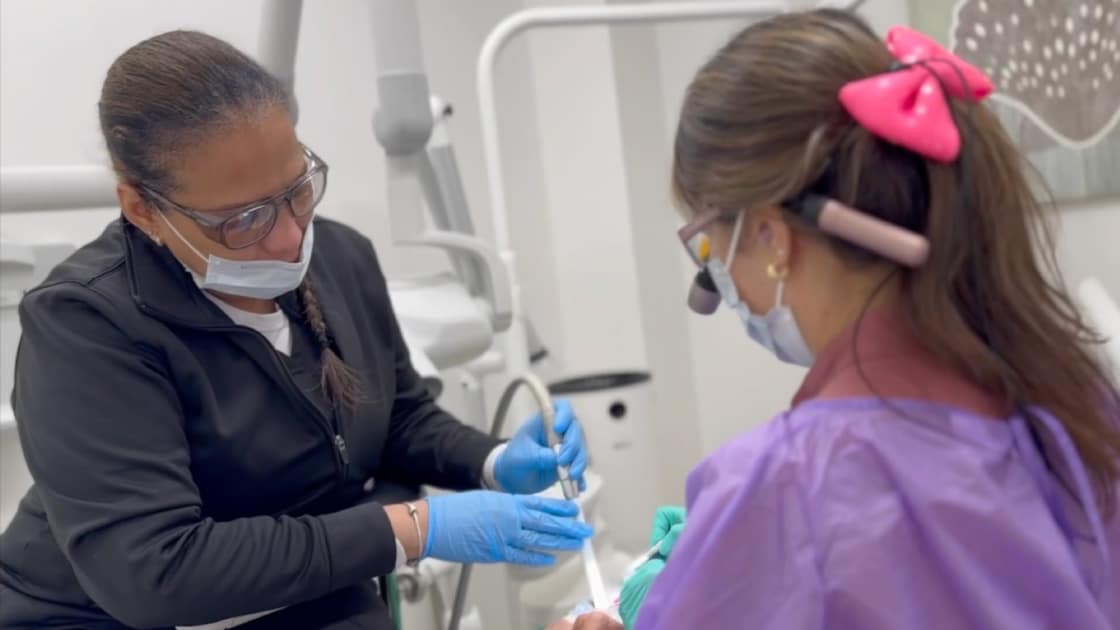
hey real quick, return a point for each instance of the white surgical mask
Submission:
(777, 330)
(257, 279)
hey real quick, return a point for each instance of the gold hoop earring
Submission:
(777, 271)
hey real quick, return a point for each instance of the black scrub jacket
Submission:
(182, 475)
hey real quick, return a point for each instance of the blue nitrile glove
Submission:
(528, 465)
(634, 591)
(486, 526)
(668, 523)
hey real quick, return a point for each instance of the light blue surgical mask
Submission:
(257, 279)
(777, 330)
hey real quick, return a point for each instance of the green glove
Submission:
(667, 525)
(634, 591)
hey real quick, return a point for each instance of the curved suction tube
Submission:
(569, 487)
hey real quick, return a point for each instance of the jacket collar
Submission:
(162, 288)
(160, 285)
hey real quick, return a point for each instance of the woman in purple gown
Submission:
(951, 459)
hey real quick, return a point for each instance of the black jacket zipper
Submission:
(333, 433)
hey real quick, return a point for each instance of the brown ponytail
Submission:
(339, 381)
(991, 298)
(761, 122)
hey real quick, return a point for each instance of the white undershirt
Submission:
(275, 326)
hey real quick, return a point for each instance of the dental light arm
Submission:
(403, 124)
(276, 49)
(447, 201)
(453, 213)
(47, 188)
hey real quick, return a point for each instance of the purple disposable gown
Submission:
(929, 508)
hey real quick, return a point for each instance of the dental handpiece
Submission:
(570, 489)
(567, 484)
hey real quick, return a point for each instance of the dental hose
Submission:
(567, 484)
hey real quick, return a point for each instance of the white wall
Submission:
(1088, 234)
(582, 160)
(1087, 237)
(662, 282)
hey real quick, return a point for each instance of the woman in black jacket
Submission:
(214, 398)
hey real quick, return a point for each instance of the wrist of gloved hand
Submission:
(635, 589)
(665, 547)
(490, 466)
(668, 523)
(484, 527)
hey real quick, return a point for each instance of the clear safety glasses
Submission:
(694, 234)
(238, 228)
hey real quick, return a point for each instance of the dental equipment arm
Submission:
(276, 49)
(447, 200)
(46, 188)
(403, 124)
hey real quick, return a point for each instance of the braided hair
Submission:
(339, 381)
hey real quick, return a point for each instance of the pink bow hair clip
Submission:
(907, 106)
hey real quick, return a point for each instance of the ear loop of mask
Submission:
(736, 234)
(733, 245)
(179, 235)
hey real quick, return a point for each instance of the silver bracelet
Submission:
(415, 514)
